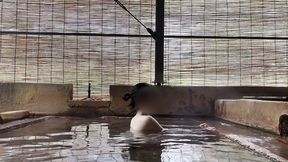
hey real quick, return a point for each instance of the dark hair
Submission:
(140, 91)
(283, 125)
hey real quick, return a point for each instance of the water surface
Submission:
(109, 139)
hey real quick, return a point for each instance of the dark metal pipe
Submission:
(150, 31)
(139, 36)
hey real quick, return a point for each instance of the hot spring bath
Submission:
(109, 139)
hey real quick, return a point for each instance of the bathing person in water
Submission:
(142, 98)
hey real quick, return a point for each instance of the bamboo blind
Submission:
(236, 42)
(60, 41)
(208, 42)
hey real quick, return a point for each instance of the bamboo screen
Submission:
(231, 43)
(208, 42)
(73, 41)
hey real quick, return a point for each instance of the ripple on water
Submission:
(109, 139)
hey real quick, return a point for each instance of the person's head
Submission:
(141, 97)
(283, 125)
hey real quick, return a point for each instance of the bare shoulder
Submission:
(151, 119)
(145, 123)
(147, 119)
(153, 122)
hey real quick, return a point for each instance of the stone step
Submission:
(89, 104)
(13, 115)
(90, 108)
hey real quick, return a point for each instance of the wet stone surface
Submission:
(109, 139)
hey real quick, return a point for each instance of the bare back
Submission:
(145, 123)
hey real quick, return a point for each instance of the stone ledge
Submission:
(191, 100)
(254, 113)
(21, 123)
(34, 97)
(13, 115)
(87, 108)
(89, 104)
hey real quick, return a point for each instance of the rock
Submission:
(13, 115)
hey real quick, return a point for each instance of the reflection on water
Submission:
(109, 139)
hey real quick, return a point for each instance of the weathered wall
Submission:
(190, 101)
(255, 113)
(173, 101)
(37, 98)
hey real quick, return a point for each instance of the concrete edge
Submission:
(13, 115)
(256, 149)
(234, 137)
(22, 123)
(257, 114)
(245, 125)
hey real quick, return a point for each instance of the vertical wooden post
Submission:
(159, 42)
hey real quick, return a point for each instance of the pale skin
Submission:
(207, 127)
(144, 123)
(147, 124)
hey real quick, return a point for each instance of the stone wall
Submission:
(254, 113)
(190, 101)
(185, 101)
(37, 98)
